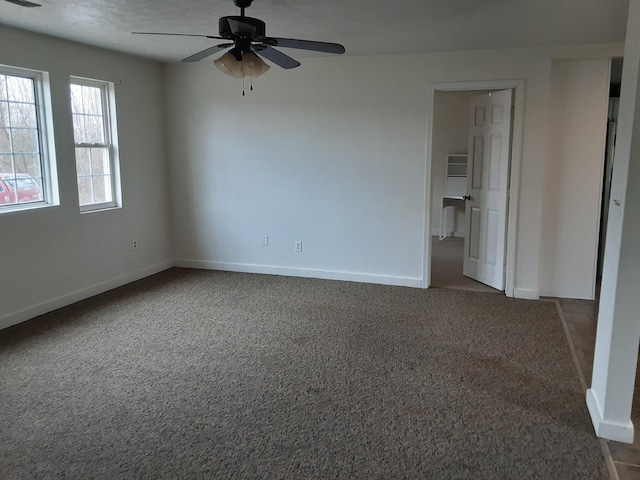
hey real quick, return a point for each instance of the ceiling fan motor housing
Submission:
(242, 3)
(225, 30)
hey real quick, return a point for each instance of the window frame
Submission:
(110, 128)
(45, 129)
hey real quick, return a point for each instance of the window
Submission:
(93, 111)
(26, 177)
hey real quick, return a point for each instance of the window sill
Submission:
(98, 208)
(26, 207)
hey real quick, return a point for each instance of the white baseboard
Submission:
(301, 272)
(73, 297)
(617, 432)
(526, 293)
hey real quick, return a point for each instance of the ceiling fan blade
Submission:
(24, 3)
(326, 47)
(207, 52)
(277, 57)
(242, 29)
(175, 34)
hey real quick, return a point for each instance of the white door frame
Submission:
(518, 87)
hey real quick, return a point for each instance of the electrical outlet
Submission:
(135, 244)
(265, 240)
(298, 246)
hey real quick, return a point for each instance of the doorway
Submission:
(612, 126)
(449, 179)
(446, 221)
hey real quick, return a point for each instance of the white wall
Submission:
(573, 190)
(334, 154)
(301, 158)
(450, 135)
(53, 256)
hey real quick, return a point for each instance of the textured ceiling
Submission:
(363, 27)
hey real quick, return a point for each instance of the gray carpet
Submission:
(194, 374)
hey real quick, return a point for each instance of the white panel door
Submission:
(488, 185)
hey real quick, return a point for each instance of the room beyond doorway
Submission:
(434, 202)
(446, 266)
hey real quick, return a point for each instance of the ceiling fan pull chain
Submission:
(243, 86)
(252, 83)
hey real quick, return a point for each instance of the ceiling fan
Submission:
(247, 38)
(24, 3)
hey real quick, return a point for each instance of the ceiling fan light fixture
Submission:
(253, 65)
(228, 65)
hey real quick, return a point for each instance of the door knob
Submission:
(467, 197)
